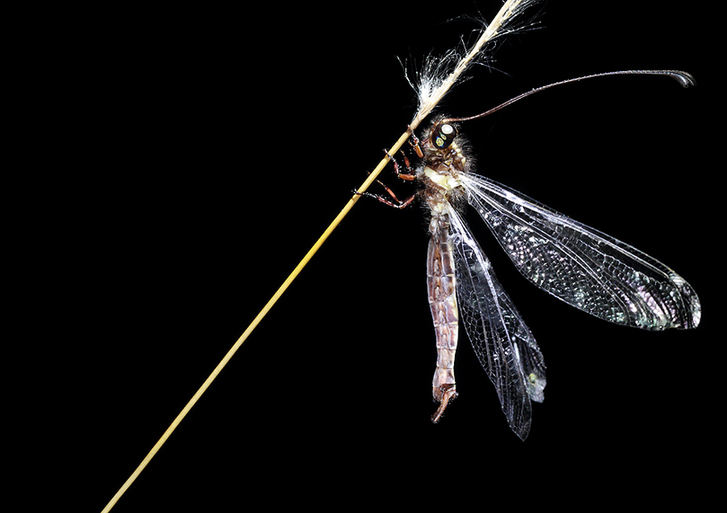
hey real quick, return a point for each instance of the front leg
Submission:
(414, 141)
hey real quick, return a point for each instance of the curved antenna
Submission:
(684, 78)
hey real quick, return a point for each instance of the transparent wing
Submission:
(582, 266)
(503, 343)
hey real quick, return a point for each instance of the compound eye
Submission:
(443, 135)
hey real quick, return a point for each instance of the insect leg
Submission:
(414, 141)
(399, 204)
(409, 176)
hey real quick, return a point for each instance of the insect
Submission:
(579, 265)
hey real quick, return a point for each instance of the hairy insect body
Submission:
(439, 176)
(587, 269)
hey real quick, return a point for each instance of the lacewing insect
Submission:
(579, 265)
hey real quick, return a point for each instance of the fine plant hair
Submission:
(437, 74)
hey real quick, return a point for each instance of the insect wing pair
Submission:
(579, 265)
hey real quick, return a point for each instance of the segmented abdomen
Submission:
(442, 301)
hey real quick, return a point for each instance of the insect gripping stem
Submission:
(509, 10)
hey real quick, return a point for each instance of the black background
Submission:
(201, 151)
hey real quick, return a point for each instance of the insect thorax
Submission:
(440, 173)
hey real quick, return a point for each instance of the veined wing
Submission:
(582, 266)
(503, 343)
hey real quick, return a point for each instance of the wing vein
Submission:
(582, 266)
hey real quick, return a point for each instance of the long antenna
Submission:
(684, 78)
(509, 10)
